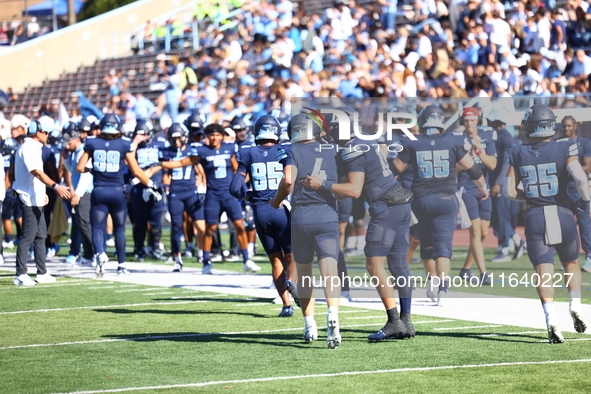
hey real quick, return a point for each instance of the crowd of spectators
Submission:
(18, 32)
(428, 48)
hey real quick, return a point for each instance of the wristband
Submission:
(326, 185)
(135, 181)
(150, 184)
(479, 151)
(55, 185)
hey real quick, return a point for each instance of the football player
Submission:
(544, 168)
(180, 188)
(315, 227)
(147, 207)
(109, 152)
(433, 157)
(484, 153)
(365, 171)
(260, 164)
(569, 129)
(219, 163)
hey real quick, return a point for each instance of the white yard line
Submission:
(47, 285)
(153, 288)
(113, 287)
(351, 373)
(102, 307)
(512, 333)
(464, 328)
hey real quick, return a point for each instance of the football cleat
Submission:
(485, 279)
(291, 288)
(178, 267)
(250, 266)
(188, 252)
(396, 330)
(580, 325)
(586, 265)
(140, 255)
(310, 334)
(410, 328)
(85, 262)
(110, 243)
(122, 271)
(100, 260)
(206, 270)
(501, 258)
(216, 258)
(334, 333)
(554, 334)
(287, 311)
(71, 259)
(465, 273)
(520, 249)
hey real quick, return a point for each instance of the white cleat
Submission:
(580, 325)
(250, 266)
(431, 294)
(310, 334)
(334, 333)
(110, 243)
(23, 280)
(45, 278)
(554, 334)
(100, 261)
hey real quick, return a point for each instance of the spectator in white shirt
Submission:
(29, 183)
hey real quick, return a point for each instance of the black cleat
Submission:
(396, 330)
(410, 328)
(291, 288)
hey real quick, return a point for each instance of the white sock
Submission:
(516, 239)
(575, 300)
(350, 243)
(178, 259)
(550, 313)
(122, 265)
(309, 321)
(200, 253)
(333, 309)
(505, 250)
(360, 242)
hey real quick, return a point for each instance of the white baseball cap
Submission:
(19, 120)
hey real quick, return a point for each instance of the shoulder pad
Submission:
(90, 137)
(457, 133)
(126, 139)
(350, 154)
(565, 139)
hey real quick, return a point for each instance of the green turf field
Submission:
(87, 335)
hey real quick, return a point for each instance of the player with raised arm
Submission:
(433, 157)
(260, 164)
(109, 152)
(219, 163)
(484, 153)
(314, 223)
(365, 172)
(544, 168)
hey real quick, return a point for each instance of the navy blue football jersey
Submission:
(434, 158)
(108, 159)
(542, 169)
(407, 175)
(265, 171)
(284, 154)
(584, 148)
(182, 179)
(217, 165)
(147, 155)
(359, 156)
(488, 145)
(309, 159)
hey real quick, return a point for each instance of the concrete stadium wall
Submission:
(65, 50)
